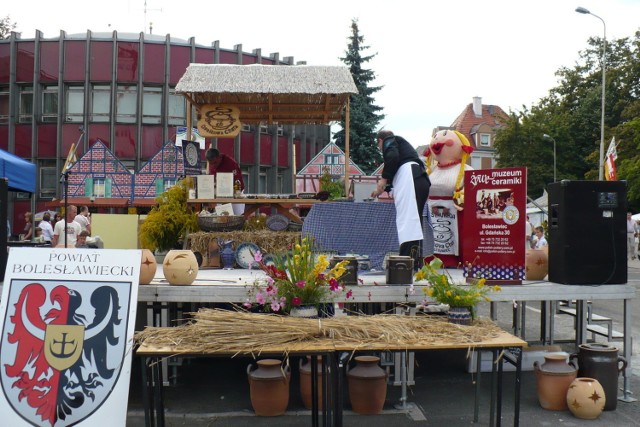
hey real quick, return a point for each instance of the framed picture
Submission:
(224, 184)
(205, 187)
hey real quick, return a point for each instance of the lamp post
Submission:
(604, 54)
(554, 155)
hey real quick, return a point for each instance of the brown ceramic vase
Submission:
(536, 264)
(367, 386)
(269, 387)
(553, 378)
(148, 266)
(305, 382)
(180, 267)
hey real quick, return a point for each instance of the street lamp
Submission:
(604, 53)
(554, 155)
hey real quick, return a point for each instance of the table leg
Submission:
(476, 406)
(339, 379)
(314, 391)
(581, 324)
(499, 394)
(626, 396)
(158, 382)
(492, 410)
(147, 392)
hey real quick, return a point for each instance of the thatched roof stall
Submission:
(284, 94)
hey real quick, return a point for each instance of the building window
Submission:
(485, 140)
(331, 159)
(50, 104)
(4, 105)
(74, 101)
(152, 105)
(264, 128)
(99, 187)
(100, 103)
(48, 182)
(26, 104)
(126, 104)
(168, 183)
(262, 182)
(177, 110)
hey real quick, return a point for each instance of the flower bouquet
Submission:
(442, 288)
(296, 279)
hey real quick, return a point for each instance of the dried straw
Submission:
(269, 242)
(236, 332)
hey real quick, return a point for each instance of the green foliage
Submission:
(334, 188)
(6, 26)
(169, 220)
(365, 116)
(571, 114)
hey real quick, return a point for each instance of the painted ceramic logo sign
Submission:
(219, 121)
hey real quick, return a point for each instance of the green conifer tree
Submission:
(365, 116)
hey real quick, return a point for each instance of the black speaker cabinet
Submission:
(587, 232)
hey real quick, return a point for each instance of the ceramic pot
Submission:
(305, 382)
(180, 267)
(367, 386)
(536, 264)
(228, 255)
(304, 312)
(460, 315)
(586, 398)
(148, 266)
(553, 378)
(601, 361)
(269, 387)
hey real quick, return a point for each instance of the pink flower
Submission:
(333, 285)
(300, 284)
(260, 298)
(247, 304)
(349, 294)
(296, 301)
(275, 306)
(258, 256)
(271, 290)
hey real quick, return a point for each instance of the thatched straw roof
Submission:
(271, 93)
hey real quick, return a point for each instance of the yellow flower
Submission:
(481, 282)
(430, 292)
(449, 293)
(420, 275)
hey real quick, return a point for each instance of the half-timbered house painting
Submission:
(332, 159)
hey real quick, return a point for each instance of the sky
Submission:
(431, 58)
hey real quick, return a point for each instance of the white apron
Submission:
(404, 198)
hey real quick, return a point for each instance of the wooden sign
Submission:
(219, 121)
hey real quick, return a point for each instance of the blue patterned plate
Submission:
(269, 259)
(245, 255)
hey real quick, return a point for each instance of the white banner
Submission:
(444, 220)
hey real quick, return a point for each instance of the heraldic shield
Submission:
(62, 348)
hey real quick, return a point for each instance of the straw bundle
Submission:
(270, 242)
(226, 331)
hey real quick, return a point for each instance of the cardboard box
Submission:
(530, 355)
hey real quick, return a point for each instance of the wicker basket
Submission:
(221, 223)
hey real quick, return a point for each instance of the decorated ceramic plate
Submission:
(277, 222)
(269, 259)
(245, 255)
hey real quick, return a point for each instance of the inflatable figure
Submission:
(446, 162)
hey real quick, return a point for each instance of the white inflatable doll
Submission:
(446, 162)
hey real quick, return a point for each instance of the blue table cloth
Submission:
(367, 228)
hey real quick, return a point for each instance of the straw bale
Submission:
(240, 332)
(269, 242)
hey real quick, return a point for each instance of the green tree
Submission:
(365, 116)
(571, 114)
(6, 26)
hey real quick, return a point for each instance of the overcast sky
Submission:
(432, 57)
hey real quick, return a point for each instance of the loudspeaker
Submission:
(587, 232)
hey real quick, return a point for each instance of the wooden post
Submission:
(346, 150)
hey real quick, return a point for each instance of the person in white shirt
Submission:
(541, 241)
(83, 219)
(47, 229)
(73, 229)
(632, 233)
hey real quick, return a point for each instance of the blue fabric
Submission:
(20, 174)
(367, 228)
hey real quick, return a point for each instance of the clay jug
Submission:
(536, 264)
(601, 361)
(460, 315)
(367, 386)
(586, 398)
(269, 387)
(305, 382)
(180, 267)
(148, 266)
(553, 378)
(228, 255)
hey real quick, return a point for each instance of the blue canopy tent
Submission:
(20, 173)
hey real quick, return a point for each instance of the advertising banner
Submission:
(68, 319)
(494, 240)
